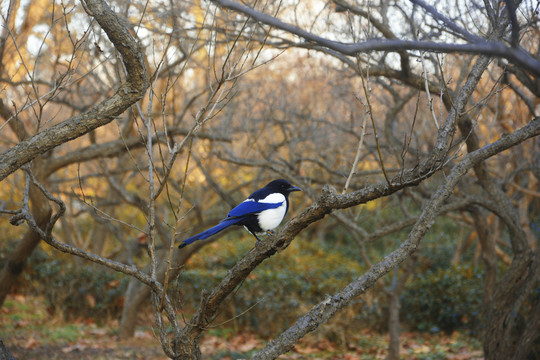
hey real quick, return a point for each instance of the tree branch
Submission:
(322, 312)
(475, 46)
(127, 94)
(116, 147)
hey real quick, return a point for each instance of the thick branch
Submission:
(117, 147)
(475, 46)
(127, 94)
(327, 308)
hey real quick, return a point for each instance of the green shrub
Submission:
(441, 298)
(86, 291)
(279, 290)
(75, 288)
(444, 299)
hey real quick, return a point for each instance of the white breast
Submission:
(271, 218)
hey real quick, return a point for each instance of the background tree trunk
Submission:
(489, 255)
(208, 65)
(16, 261)
(393, 325)
(138, 293)
(502, 337)
(399, 281)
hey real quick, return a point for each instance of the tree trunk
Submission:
(489, 254)
(394, 306)
(4, 352)
(137, 292)
(41, 210)
(530, 333)
(393, 325)
(502, 337)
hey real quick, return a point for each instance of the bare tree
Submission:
(176, 125)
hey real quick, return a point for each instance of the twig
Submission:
(172, 247)
(129, 92)
(476, 45)
(47, 236)
(357, 157)
(323, 311)
(370, 112)
(426, 84)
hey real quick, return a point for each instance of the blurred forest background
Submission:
(124, 134)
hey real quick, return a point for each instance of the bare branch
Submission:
(327, 308)
(475, 46)
(127, 94)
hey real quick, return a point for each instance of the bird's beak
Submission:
(294, 188)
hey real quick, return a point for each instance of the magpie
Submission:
(260, 213)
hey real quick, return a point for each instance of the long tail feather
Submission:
(207, 233)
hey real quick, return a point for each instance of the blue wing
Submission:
(235, 216)
(213, 230)
(251, 207)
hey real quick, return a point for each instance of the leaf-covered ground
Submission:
(29, 332)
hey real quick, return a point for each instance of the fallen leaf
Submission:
(19, 298)
(143, 335)
(31, 344)
(249, 345)
(306, 350)
(21, 323)
(76, 347)
(421, 349)
(99, 331)
(326, 345)
(113, 284)
(467, 355)
(91, 301)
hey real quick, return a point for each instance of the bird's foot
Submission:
(270, 232)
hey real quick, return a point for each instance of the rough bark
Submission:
(127, 94)
(489, 255)
(31, 147)
(323, 311)
(475, 45)
(4, 352)
(509, 294)
(500, 342)
(530, 333)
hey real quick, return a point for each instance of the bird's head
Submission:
(282, 186)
